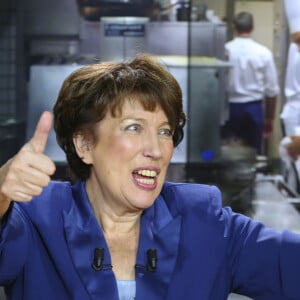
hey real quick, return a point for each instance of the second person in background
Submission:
(253, 85)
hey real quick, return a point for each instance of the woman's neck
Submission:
(111, 216)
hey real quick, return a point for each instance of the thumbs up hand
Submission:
(29, 171)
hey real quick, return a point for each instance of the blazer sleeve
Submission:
(263, 260)
(14, 239)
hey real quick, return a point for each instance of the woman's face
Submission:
(130, 160)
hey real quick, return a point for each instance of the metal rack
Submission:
(12, 133)
(8, 51)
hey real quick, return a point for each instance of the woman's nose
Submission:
(152, 146)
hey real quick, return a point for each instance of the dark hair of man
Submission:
(243, 22)
(92, 91)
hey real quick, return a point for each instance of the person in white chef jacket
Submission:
(253, 85)
(290, 115)
(291, 110)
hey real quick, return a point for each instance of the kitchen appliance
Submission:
(203, 102)
(93, 10)
(122, 37)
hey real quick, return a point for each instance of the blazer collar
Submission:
(159, 231)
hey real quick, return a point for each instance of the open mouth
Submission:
(145, 177)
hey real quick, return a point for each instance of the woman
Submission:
(120, 231)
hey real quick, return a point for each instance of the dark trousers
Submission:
(246, 121)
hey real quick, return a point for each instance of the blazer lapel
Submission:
(83, 235)
(159, 231)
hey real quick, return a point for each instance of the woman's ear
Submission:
(83, 147)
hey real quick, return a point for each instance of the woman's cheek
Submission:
(123, 145)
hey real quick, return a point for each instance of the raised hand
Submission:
(29, 171)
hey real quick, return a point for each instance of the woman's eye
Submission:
(166, 132)
(134, 127)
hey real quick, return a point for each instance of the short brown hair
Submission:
(91, 91)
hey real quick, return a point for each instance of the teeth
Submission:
(147, 173)
(146, 180)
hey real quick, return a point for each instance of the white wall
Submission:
(263, 13)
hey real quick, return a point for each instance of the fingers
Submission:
(24, 192)
(39, 140)
(26, 175)
(22, 182)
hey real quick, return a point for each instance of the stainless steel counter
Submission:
(274, 205)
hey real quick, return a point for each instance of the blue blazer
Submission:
(204, 251)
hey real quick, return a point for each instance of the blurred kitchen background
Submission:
(42, 41)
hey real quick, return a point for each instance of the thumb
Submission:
(39, 140)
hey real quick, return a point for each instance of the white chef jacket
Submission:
(291, 110)
(290, 114)
(292, 79)
(253, 75)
